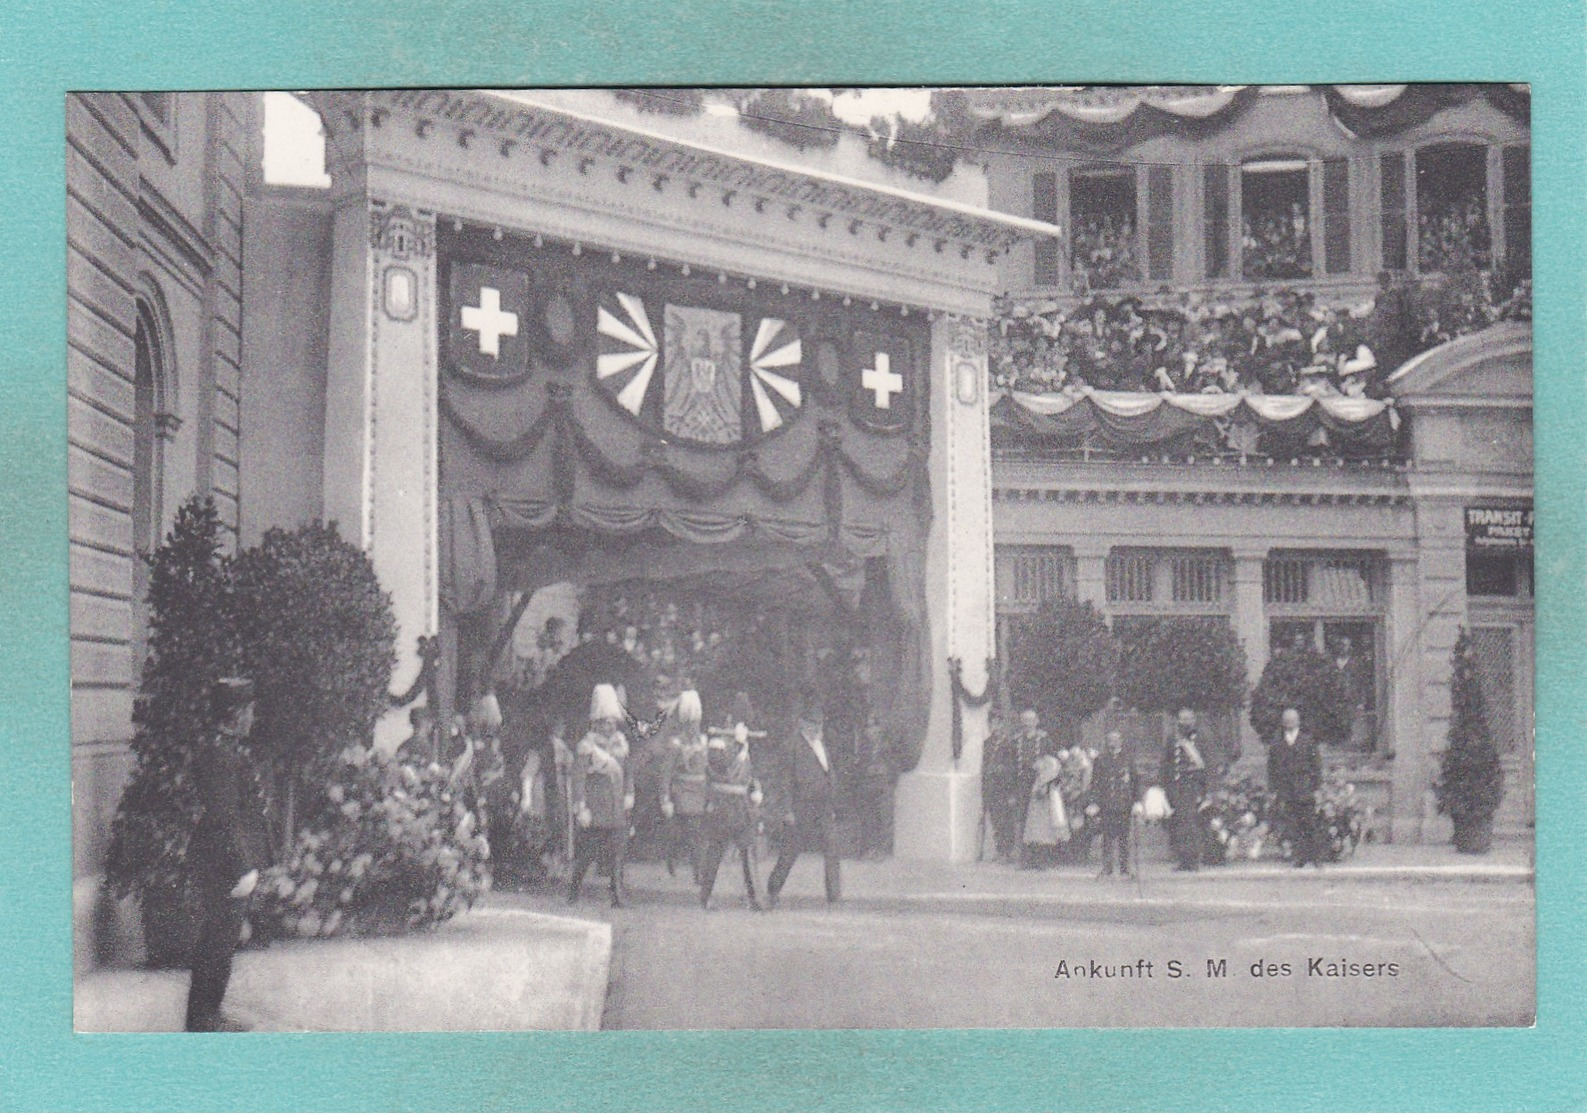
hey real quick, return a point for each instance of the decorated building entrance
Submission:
(579, 349)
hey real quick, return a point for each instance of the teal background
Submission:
(46, 49)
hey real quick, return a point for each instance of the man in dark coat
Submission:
(1294, 775)
(1003, 788)
(1184, 779)
(1117, 787)
(809, 799)
(225, 853)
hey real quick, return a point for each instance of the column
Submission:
(1250, 624)
(1091, 572)
(380, 481)
(1403, 718)
(938, 805)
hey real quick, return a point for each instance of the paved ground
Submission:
(1434, 940)
(494, 969)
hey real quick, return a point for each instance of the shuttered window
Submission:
(1392, 171)
(1336, 216)
(1160, 222)
(1518, 206)
(1044, 207)
(1215, 214)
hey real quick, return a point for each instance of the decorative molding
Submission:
(398, 232)
(160, 216)
(167, 425)
(1012, 494)
(551, 130)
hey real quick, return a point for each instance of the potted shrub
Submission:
(1471, 782)
(1064, 661)
(319, 639)
(1306, 679)
(1171, 663)
(192, 642)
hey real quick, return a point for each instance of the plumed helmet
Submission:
(604, 705)
(688, 708)
(487, 712)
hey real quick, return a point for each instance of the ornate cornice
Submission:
(515, 126)
(1012, 494)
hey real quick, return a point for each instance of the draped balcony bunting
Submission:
(1140, 419)
(1109, 118)
(648, 412)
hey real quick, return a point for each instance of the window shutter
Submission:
(1044, 207)
(1393, 180)
(1518, 206)
(1215, 207)
(1336, 216)
(1160, 222)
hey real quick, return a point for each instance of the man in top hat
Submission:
(810, 792)
(224, 854)
(602, 794)
(1294, 774)
(1184, 778)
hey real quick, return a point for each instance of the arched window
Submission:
(151, 426)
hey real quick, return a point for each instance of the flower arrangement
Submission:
(1238, 817)
(396, 848)
(1342, 818)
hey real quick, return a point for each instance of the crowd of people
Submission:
(1041, 801)
(715, 789)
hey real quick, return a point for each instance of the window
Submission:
(1168, 579)
(1103, 234)
(1499, 575)
(1275, 219)
(1392, 189)
(1333, 604)
(1452, 208)
(1044, 207)
(1518, 208)
(1129, 578)
(1028, 575)
(1330, 582)
(147, 444)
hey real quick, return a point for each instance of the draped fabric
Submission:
(1110, 118)
(553, 477)
(1132, 419)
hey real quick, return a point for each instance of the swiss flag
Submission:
(881, 378)
(489, 326)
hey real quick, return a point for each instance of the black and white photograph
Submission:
(801, 558)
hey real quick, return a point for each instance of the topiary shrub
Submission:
(393, 848)
(192, 642)
(1309, 681)
(1471, 781)
(320, 642)
(1172, 663)
(1063, 662)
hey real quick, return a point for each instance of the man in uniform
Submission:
(732, 798)
(1001, 791)
(809, 793)
(1184, 779)
(603, 794)
(225, 853)
(1294, 774)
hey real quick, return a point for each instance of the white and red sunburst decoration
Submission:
(629, 350)
(775, 352)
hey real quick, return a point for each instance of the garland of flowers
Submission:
(962, 696)
(667, 102)
(792, 116)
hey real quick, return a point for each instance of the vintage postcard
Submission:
(802, 558)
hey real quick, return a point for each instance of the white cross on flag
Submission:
(489, 320)
(881, 393)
